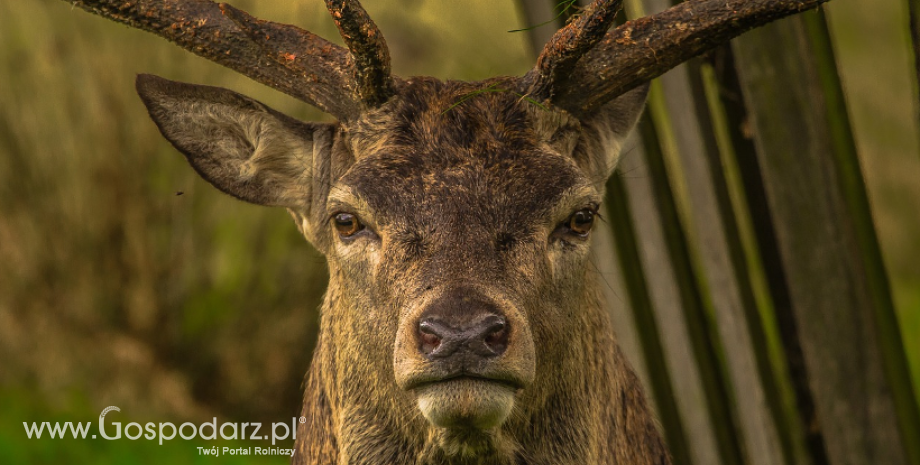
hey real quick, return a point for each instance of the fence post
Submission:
(913, 10)
(840, 302)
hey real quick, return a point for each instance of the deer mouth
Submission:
(423, 381)
(466, 402)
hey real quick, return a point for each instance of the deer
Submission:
(462, 324)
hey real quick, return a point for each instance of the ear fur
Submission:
(607, 129)
(239, 145)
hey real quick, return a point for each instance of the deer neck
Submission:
(595, 412)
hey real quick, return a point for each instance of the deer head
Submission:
(456, 236)
(461, 320)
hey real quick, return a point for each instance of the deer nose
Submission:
(485, 337)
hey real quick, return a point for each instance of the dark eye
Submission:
(347, 224)
(581, 221)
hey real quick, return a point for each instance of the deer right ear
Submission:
(611, 125)
(239, 145)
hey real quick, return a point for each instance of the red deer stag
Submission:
(461, 324)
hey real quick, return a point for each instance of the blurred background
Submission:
(126, 280)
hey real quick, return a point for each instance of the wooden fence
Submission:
(741, 263)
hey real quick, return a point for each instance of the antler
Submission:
(641, 49)
(581, 68)
(557, 61)
(372, 59)
(284, 57)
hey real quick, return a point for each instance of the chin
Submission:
(467, 414)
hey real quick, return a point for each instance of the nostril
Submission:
(486, 337)
(496, 335)
(429, 338)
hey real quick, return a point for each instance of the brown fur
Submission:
(469, 197)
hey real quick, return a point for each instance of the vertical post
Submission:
(752, 401)
(838, 289)
(641, 316)
(723, 263)
(804, 444)
(913, 10)
(674, 302)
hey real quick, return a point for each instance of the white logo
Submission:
(102, 425)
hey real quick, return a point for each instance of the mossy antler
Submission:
(581, 68)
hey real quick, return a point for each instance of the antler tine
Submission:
(559, 56)
(646, 48)
(284, 57)
(369, 49)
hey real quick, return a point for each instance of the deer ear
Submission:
(608, 128)
(237, 144)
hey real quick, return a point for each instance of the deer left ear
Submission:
(237, 144)
(606, 130)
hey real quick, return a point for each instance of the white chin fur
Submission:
(466, 403)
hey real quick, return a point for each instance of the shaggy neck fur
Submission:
(590, 410)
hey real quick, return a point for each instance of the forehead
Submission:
(449, 149)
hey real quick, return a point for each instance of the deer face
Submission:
(457, 235)
(465, 226)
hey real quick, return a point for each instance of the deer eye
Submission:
(581, 222)
(347, 224)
